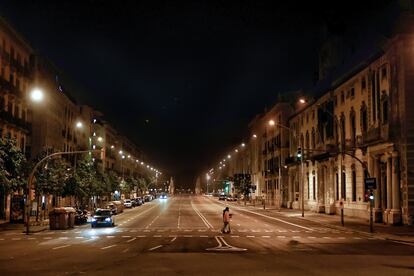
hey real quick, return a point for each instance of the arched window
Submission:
(353, 184)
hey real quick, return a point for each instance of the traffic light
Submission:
(299, 154)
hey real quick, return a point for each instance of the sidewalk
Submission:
(402, 233)
(20, 227)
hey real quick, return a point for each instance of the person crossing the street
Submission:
(226, 221)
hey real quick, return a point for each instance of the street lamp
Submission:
(207, 178)
(79, 124)
(37, 95)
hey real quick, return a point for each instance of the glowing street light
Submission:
(254, 136)
(100, 139)
(37, 95)
(302, 100)
(271, 123)
(228, 156)
(121, 152)
(236, 150)
(112, 146)
(243, 145)
(79, 124)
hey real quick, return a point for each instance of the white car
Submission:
(128, 203)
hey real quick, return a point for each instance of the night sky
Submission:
(183, 79)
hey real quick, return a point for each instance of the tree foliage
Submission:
(12, 165)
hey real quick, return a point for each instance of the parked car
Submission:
(138, 201)
(231, 198)
(81, 216)
(127, 203)
(222, 197)
(112, 207)
(103, 217)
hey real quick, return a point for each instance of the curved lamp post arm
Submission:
(31, 178)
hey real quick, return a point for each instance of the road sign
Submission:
(370, 183)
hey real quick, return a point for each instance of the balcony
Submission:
(371, 136)
(17, 122)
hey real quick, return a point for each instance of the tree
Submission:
(12, 166)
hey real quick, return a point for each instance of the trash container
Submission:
(71, 216)
(62, 218)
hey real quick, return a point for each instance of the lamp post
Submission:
(31, 178)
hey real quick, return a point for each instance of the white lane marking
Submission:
(341, 238)
(357, 238)
(327, 238)
(281, 237)
(250, 236)
(202, 230)
(235, 236)
(110, 246)
(47, 238)
(110, 237)
(125, 250)
(266, 237)
(63, 238)
(59, 247)
(173, 239)
(133, 231)
(226, 247)
(31, 238)
(78, 237)
(64, 232)
(141, 236)
(133, 239)
(203, 236)
(202, 217)
(148, 226)
(1, 239)
(78, 232)
(311, 237)
(156, 247)
(157, 236)
(188, 236)
(126, 236)
(16, 239)
(296, 237)
(147, 230)
(238, 224)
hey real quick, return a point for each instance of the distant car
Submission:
(222, 197)
(103, 217)
(163, 196)
(128, 203)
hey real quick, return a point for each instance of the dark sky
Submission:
(198, 71)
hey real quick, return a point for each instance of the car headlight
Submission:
(93, 219)
(108, 219)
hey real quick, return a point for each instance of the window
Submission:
(314, 187)
(353, 127)
(385, 111)
(343, 182)
(342, 97)
(337, 186)
(313, 138)
(343, 131)
(307, 140)
(364, 118)
(363, 83)
(352, 92)
(307, 178)
(353, 185)
(384, 73)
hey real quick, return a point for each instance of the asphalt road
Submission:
(181, 236)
